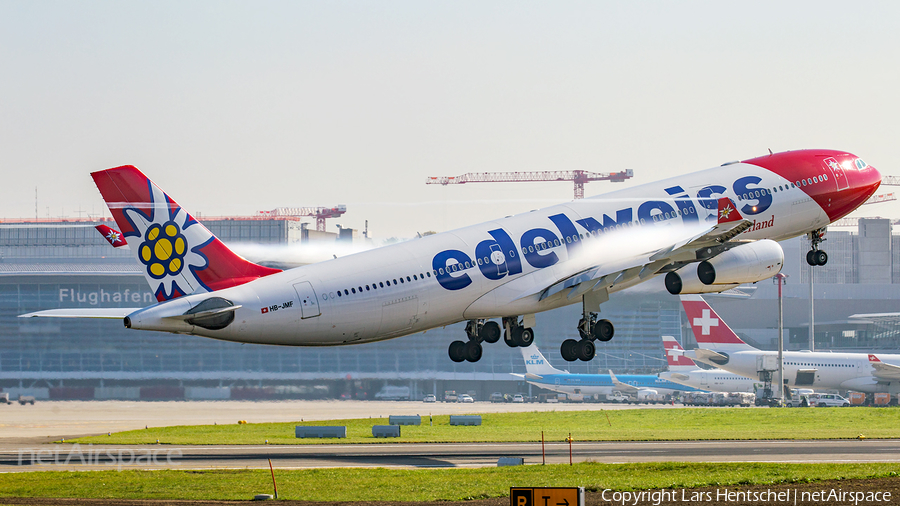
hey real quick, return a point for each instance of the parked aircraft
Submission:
(684, 371)
(720, 347)
(705, 232)
(540, 373)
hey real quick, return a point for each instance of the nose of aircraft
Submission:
(864, 182)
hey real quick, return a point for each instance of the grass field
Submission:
(417, 485)
(611, 425)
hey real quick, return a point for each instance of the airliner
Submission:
(540, 373)
(684, 371)
(719, 346)
(706, 231)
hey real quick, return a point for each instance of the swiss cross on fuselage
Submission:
(705, 322)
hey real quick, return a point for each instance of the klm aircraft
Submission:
(540, 373)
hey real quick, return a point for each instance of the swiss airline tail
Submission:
(675, 355)
(179, 255)
(710, 331)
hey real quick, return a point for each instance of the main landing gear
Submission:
(815, 256)
(477, 331)
(590, 329)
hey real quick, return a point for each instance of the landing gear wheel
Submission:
(604, 330)
(472, 351)
(514, 338)
(569, 350)
(586, 350)
(810, 258)
(820, 257)
(456, 351)
(490, 332)
(526, 338)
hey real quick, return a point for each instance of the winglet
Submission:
(728, 211)
(112, 236)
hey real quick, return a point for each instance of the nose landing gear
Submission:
(815, 256)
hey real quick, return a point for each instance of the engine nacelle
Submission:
(747, 263)
(685, 281)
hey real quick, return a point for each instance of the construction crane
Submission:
(883, 197)
(890, 181)
(579, 177)
(319, 213)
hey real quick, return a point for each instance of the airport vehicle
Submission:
(707, 231)
(720, 347)
(465, 398)
(617, 396)
(497, 397)
(828, 401)
(683, 370)
(393, 393)
(540, 373)
(429, 398)
(518, 398)
(26, 399)
(450, 396)
(4, 398)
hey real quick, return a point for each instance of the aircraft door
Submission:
(309, 304)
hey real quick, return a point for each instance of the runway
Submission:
(18, 458)
(27, 434)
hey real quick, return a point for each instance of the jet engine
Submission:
(747, 263)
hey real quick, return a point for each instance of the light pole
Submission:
(780, 279)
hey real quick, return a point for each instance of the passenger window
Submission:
(480, 262)
(556, 242)
(395, 281)
(346, 292)
(360, 289)
(804, 182)
(414, 277)
(429, 274)
(407, 278)
(381, 284)
(332, 294)
(353, 290)
(825, 177)
(441, 271)
(401, 279)
(324, 296)
(339, 293)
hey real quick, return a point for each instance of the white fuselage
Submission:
(816, 370)
(714, 380)
(413, 286)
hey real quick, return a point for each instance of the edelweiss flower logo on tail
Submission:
(168, 243)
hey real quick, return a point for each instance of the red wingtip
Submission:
(728, 211)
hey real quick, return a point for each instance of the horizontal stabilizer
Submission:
(705, 355)
(884, 371)
(109, 313)
(680, 377)
(533, 376)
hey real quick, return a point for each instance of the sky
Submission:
(238, 107)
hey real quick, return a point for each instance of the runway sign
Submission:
(546, 496)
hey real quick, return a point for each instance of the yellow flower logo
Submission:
(163, 250)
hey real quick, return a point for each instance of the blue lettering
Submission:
(645, 211)
(623, 217)
(532, 254)
(567, 229)
(684, 203)
(707, 200)
(763, 201)
(439, 264)
(488, 252)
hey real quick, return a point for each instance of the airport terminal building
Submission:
(66, 264)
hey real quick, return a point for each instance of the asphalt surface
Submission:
(19, 457)
(27, 434)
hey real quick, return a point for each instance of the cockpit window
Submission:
(860, 164)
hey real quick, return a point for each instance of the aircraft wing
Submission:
(623, 387)
(671, 256)
(884, 371)
(111, 313)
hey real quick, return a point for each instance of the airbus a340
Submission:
(706, 232)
